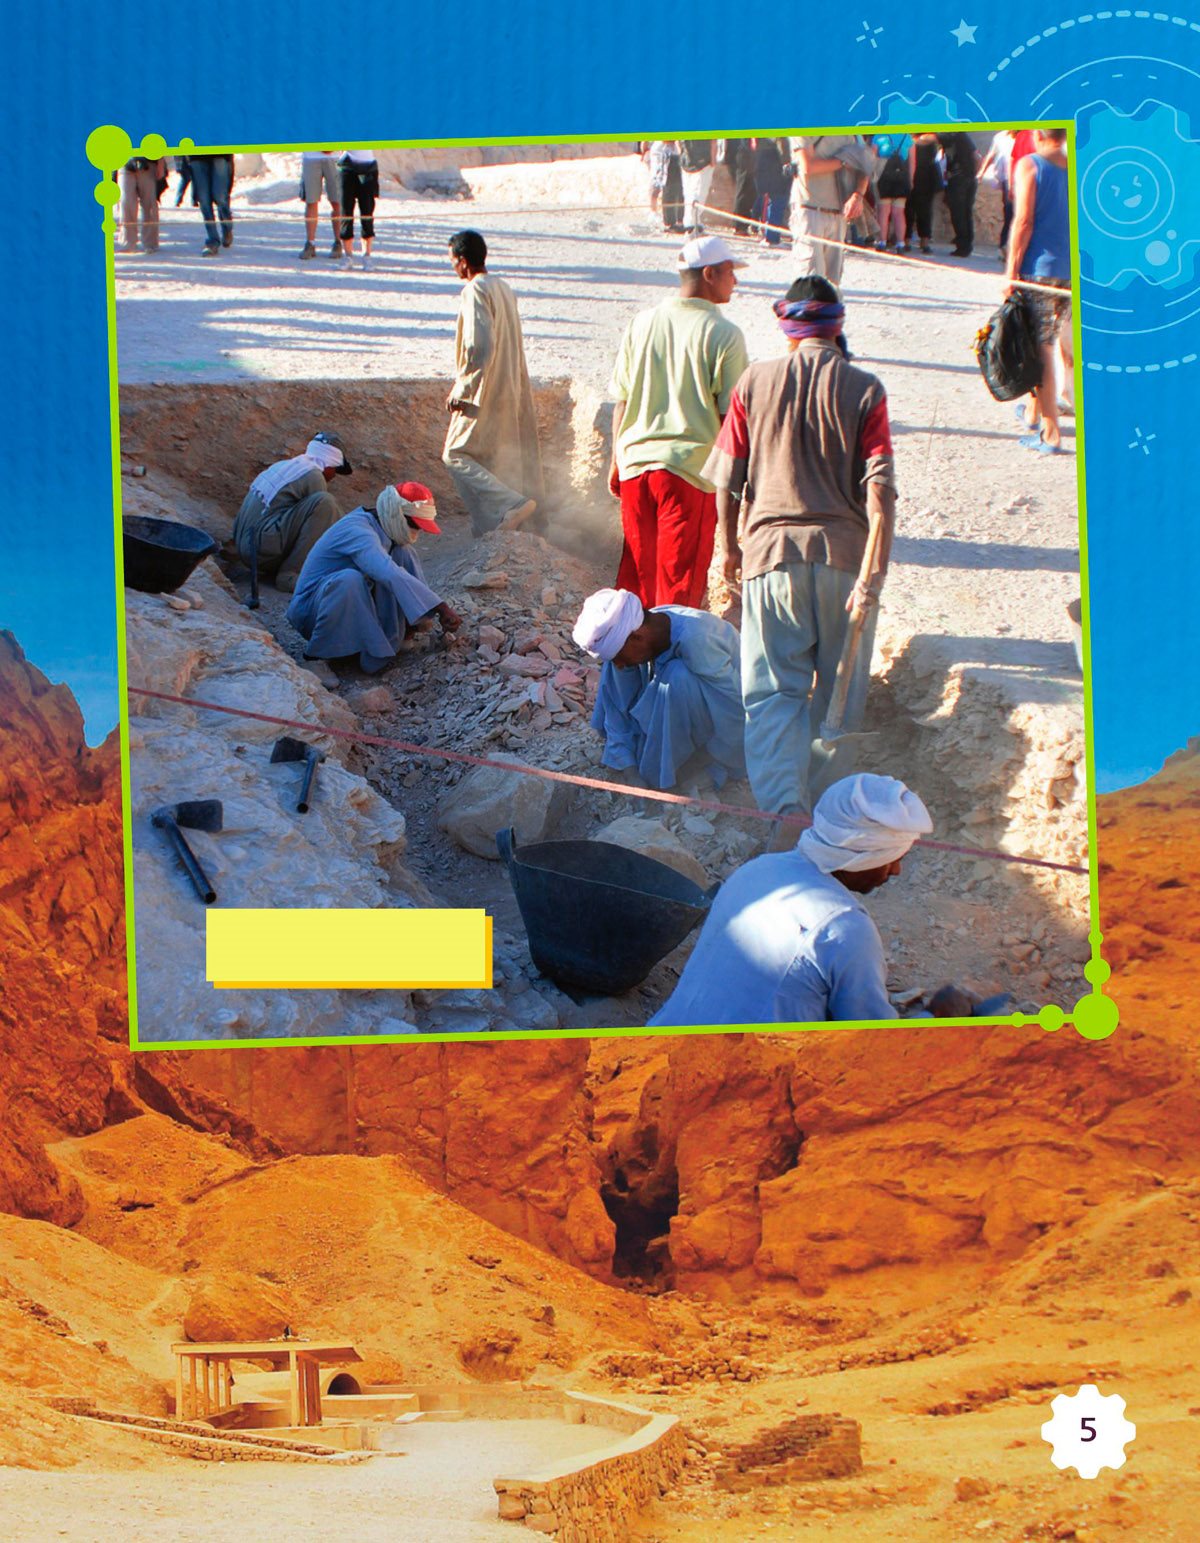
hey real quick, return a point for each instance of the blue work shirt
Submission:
(655, 716)
(783, 943)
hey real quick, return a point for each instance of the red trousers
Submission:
(669, 527)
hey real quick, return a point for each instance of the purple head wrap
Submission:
(812, 319)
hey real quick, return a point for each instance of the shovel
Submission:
(201, 814)
(289, 749)
(833, 753)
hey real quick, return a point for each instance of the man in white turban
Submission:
(788, 939)
(670, 690)
(362, 589)
(287, 509)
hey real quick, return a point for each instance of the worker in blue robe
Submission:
(788, 938)
(670, 688)
(362, 589)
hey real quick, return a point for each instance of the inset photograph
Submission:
(670, 549)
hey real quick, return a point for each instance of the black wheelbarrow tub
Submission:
(161, 554)
(599, 917)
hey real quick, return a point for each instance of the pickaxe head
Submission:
(196, 814)
(289, 749)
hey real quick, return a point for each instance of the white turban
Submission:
(607, 619)
(393, 511)
(863, 822)
(326, 456)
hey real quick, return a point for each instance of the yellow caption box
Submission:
(347, 949)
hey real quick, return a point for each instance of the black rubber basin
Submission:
(598, 917)
(161, 554)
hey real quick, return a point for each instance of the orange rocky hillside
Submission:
(1149, 856)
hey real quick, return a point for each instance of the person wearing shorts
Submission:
(319, 169)
(898, 153)
(1039, 251)
(359, 185)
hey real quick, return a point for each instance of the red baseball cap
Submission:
(418, 493)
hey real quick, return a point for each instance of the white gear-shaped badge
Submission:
(1088, 1431)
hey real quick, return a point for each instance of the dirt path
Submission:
(437, 1491)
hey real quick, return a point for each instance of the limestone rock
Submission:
(488, 800)
(652, 839)
(235, 1306)
(373, 700)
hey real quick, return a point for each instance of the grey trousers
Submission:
(814, 256)
(487, 499)
(290, 537)
(794, 622)
(139, 188)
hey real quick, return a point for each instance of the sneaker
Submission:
(210, 249)
(927, 246)
(364, 264)
(309, 250)
(227, 238)
(336, 251)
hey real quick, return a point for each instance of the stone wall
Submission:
(811, 1446)
(199, 1440)
(594, 1501)
(391, 427)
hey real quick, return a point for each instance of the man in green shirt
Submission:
(675, 372)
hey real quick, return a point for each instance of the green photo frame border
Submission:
(1095, 1016)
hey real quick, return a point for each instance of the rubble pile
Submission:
(644, 1372)
(811, 1446)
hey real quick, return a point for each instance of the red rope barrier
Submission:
(357, 737)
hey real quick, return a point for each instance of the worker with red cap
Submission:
(362, 589)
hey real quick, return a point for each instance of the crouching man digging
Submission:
(362, 589)
(788, 940)
(669, 689)
(287, 509)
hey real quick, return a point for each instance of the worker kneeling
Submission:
(670, 688)
(362, 589)
(788, 940)
(287, 510)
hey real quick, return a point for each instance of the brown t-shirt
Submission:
(803, 438)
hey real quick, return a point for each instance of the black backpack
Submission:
(1007, 350)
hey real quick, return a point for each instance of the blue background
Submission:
(272, 73)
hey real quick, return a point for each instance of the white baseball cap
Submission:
(708, 252)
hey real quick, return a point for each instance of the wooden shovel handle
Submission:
(858, 619)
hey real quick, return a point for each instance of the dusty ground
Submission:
(437, 1488)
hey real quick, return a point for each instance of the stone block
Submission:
(652, 839)
(488, 800)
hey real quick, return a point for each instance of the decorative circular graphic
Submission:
(1139, 175)
(894, 101)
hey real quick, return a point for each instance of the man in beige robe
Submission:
(491, 447)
